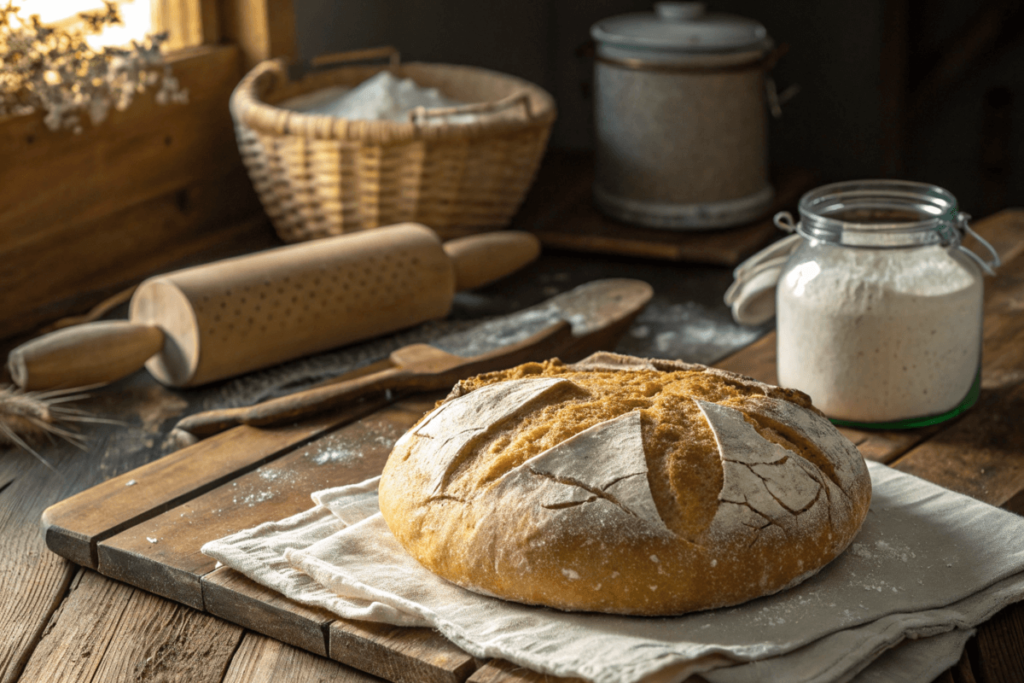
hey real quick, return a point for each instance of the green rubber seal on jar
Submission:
(969, 400)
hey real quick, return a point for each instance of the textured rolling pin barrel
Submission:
(227, 318)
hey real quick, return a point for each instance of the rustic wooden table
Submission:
(59, 621)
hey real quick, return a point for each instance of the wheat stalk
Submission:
(28, 416)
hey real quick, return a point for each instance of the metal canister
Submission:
(681, 118)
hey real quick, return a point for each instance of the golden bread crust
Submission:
(624, 485)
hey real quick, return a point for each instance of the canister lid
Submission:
(681, 27)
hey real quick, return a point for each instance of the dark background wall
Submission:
(926, 90)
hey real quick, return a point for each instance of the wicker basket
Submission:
(320, 175)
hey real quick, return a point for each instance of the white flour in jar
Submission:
(876, 335)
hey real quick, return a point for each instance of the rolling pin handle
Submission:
(482, 259)
(94, 353)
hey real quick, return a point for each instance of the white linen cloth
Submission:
(927, 566)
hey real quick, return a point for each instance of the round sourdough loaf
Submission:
(624, 485)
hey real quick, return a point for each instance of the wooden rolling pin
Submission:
(227, 318)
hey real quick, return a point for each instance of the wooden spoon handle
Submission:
(422, 377)
(94, 353)
(299, 404)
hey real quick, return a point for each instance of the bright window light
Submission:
(136, 16)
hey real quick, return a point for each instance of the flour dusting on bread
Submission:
(605, 462)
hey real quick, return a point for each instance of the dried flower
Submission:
(55, 70)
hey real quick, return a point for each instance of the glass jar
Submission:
(879, 308)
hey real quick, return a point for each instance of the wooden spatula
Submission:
(417, 367)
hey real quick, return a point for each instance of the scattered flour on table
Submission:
(336, 454)
(687, 330)
(253, 498)
(278, 476)
(330, 451)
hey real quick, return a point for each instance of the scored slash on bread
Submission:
(624, 485)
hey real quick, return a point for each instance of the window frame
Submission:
(261, 29)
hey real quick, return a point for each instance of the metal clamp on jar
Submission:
(680, 118)
(878, 304)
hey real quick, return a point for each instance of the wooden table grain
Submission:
(60, 621)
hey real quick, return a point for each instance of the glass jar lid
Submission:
(886, 214)
(681, 27)
(879, 213)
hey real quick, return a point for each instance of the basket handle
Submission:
(515, 99)
(245, 103)
(388, 52)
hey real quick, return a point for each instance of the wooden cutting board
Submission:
(145, 527)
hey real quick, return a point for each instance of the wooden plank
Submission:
(159, 640)
(264, 660)
(144, 154)
(76, 638)
(74, 526)
(1000, 647)
(501, 671)
(107, 631)
(1015, 504)
(121, 252)
(979, 455)
(33, 581)
(232, 596)
(887, 446)
(162, 554)
(394, 653)
(756, 360)
(399, 654)
(963, 672)
(140, 153)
